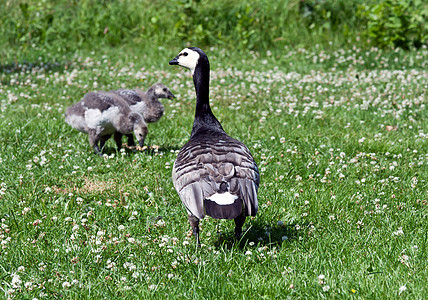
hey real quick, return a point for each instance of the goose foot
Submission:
(194, 222)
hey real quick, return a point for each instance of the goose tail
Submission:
(223, 204)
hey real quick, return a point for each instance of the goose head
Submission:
(139, 127)
(161, 91)
(189, 58)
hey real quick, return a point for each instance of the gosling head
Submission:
(161, 91)
(139, 126)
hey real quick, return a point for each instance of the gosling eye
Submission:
(185, 53)
(164, 89)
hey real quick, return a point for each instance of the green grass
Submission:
(342, 149)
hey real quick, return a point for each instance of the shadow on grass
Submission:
(132, 151)
(261, 234)
(25, 65)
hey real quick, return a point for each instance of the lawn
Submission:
(340, 138)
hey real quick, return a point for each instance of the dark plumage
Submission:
(213, 174)
(103, 114)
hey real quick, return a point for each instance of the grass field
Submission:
(340, 137)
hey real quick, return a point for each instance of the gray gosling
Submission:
(103, 114)
(146, 103)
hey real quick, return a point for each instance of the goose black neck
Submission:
(204, 118)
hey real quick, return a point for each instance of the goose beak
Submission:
(174, 61)
(171, 96)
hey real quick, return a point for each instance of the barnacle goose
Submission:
(103, 114)
(214, 174)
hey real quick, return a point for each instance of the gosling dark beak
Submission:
(141, 143)
(174, 61)
(171, 95)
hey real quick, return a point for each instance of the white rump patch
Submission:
(223, 199)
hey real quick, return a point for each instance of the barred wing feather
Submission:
(204, 164)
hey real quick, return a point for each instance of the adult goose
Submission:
(214, 174)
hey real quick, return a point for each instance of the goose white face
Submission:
(187, 58)
(140, 131)
(161, 91)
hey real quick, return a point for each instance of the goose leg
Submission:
(194, 222)
(239, 222)
(118, 140)
(131, 142)
(103, 141)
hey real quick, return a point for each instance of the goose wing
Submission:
(101, 101)
(131, 96)
(216, 166)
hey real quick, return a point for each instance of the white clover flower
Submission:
(66, 284)
(121, 227)
(326, 288)
(110, 264)
(402, 289)
(399, 232)
(16, 281)
(161, 223)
